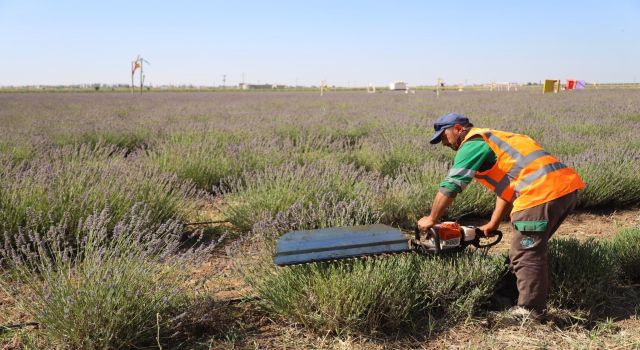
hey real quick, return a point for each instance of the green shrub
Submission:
(207, 158)
(625, 247)
(381, 294)
(583, 275)
(323, 210)
(73, 182)
(378, 294)
(611, 189)
(410, 194)
(125, 139)
(16, 152)
(399, 155)
(120, 288)
(277, 188)
(388, 156)
(344, 297)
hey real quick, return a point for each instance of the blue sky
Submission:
(346, 43)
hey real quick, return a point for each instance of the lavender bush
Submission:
(408, 196)
(276, 188)
(380, 295)
(583, 275)
(619, 188)
(383, 294)
(126, 139)
(119, 288)
(625, 246)
(73, 181)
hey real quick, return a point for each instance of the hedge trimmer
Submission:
(305, 246)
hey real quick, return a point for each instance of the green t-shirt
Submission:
(474, 155)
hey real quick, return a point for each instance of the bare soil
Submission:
(579, 225)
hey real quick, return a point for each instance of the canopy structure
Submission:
(551, 85)
(574, 84)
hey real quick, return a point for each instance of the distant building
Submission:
(398, 85)
(505, 86)
(244, 86)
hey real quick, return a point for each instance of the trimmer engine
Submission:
(451, 236)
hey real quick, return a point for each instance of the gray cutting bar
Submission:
(298, 247)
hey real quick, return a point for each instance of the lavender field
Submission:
(83, 169)
(264, 151)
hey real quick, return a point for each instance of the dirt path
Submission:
(581, 225)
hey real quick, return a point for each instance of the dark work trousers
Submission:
(528, 252)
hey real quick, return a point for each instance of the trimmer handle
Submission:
(479, 233)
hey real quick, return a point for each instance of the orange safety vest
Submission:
(524, 174)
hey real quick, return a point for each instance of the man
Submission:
(530, 184)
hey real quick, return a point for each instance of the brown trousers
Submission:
(528, 252)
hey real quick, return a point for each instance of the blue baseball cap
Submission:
(444, 122)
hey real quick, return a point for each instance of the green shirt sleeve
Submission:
(469, 158)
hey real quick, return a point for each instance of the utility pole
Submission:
(224, 81)
(141, 76)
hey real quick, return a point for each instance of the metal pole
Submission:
(141, 81)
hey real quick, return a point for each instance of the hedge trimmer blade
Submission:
(306, 246)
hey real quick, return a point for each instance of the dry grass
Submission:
(264, 333)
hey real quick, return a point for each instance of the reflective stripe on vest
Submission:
(521, 163)
(529, 179)
(499, 186)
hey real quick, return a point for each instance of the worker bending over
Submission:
(532, 185)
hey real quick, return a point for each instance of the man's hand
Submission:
(440, 204)
(489, 228)
(425, 223)
(502, 208)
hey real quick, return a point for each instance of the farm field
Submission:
(148, 220)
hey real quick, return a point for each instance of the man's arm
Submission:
(440, 204)
(501, 209)
(471, 155)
